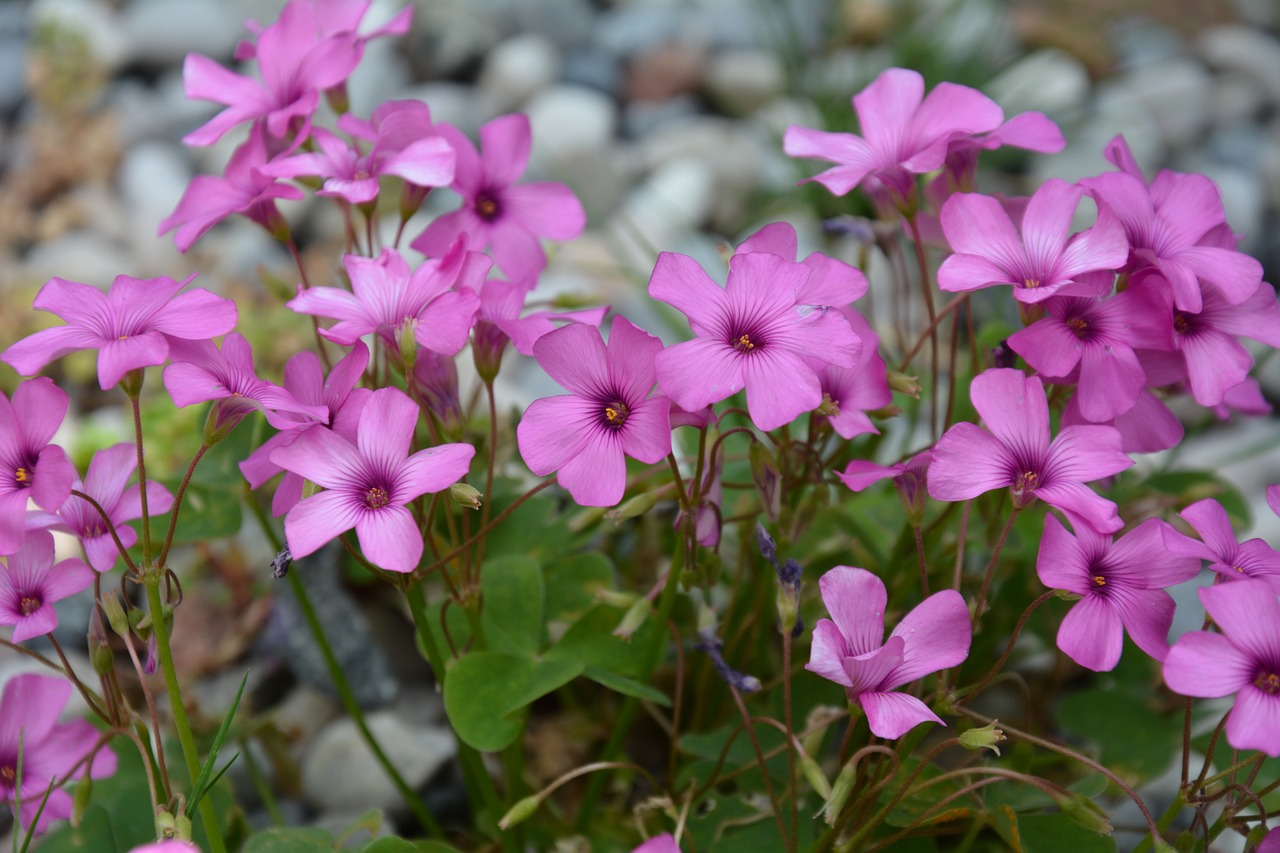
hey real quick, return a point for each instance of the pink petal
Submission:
(31, 703)
(386, 428)
(1081, 504)
(1086, 453)
(1248, 612)
(780, 388)
(1207, 665)
(1048, 345)
(778, 238)
(1216, 363)
(504, 146)
(937, 633)
(1091, 634)
(1014, 408)
(116, 358)
(1062, 563)
(856, 599)
(968, 461)
(1110, 380)
(516, 250)
(700, 372)
(892, 715)
(852, 152)
(682, 283)
(553, 431)
(1047, 222)
(1255, 721)
(547, 209)
(1147, 615)
(827, 653)
(868, 673)
(33, 352)
(434, 469)
(323, 457)
(576, 358)
(978, 225)
(886, 108)
(646, 436)
(960, 273)
(389, 538)
(319, 519)
(597, 475)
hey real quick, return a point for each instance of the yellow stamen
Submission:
(1078, 325)
(22, 475)
(376, 497)
(743, 344)
(615, 414)
(1031, 283)
(1268, 681)
(1099, 580)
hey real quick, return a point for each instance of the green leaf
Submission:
(572, 584)
(391, 844)
(1131, 736)
(548, 675)
(591, 642)
(480, 691)
(207, 513)
(204, 781)
(289, 840)
(626, 686)
(513, 602)
(220, 466)
(434, 847)
(93, 836)
(1057, 833)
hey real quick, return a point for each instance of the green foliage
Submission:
(290, 840)
(514, 596)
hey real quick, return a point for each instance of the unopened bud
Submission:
(768, 547)
(840, 792)
(884, 413)
(1085, 812)
(520, 812)
(632, 508)
(466, 495)
(116, 617)
(100, 654)
(131, 384)
(985, 737)
(613, 598)
(706, 620)
(814, 775)
(407, 344)
(788, 597)
(338, 99)
(767, 478)
(80, 800)
(1067, 596)
(816, 724)
(634, 618)
(586, 518)
(903, 384)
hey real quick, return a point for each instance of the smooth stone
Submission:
(449, 103)
(642, 118)
(742, 80)
(516, 70)
(1236, 98)
(1174, 95)
(1050, 81)
(593, 67)
(1140, 41)
(383, 70)
(1244, 50)
(568, 122)
(161, 32)
(1243, 197)
(628, 30)
(568, 23)
(152, 178)
(677, 197)
(84, 256)
(94, 19)
(339, 773)
(304, 712)
(13, 64)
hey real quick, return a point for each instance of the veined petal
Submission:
(1047, 222)
(389, 538)
(1062, 563)
(576, 358)
(42, 699)
(646, 435)
(778, 238)
(504, 148)
(597, 475)
(545, 208)
(33, 352)
(892, 715)
(682, 283)
(856, 599)
(1147, 615)
(1110, 381)
(979, 225)
(780, 387)
(968, 461)
(1081, 504)
(827, 653)
(116, 358)
(1086, 453)
(1255, 721)
(937, 634)
(1015, 409)
(553, 431)
(386, 428)
(868, 673)
(1048, 345)
(319, 519)
(700, 372)
(1248, 612)
(1092, 635)
(1207, 665)
(961, 272)
(324, 457)
(434, 469)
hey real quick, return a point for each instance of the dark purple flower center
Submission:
(1079, 326)
(8, 774)
(1024, 488)
(376, 497)
(615, 414)
(487, 207)
(22, 477)
(744, 343)
(29, 604)
(1268, 682)
(1182, 323)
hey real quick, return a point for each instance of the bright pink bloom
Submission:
(296, 65)
(1245, 399)
(130, 325)
(331, 18)
(499, 321)
(968, 461)
(498, 212)
(665, 843)
(903, 133)
(852, 651)
(245, 188)
(353, 176)
(831, 282)
(30, 583)
(1098, 337)
(1273, 498)
(435, 384)
(609, 415)
(849, 393)
(1270, 843)
(1031, 131)
(202, 372)
(1147, 427)
(1230, 559)
(369, 483)
(1244, 659)
(29, 710)
(107, 482)
(1121, 585)
(1044, 260)
(1167, 225)
(1215, 361)
(387, 298)
(30, 467)
(336, 395)
(171, 845)
(759, 333)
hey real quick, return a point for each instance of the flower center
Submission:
(1180, 323)
(615, 414)
(743, 343)
(1268, 682)
(1031, 283)
(1025, 482)
(9, 774)
(376, 497)
(1078, 325)
(486, 207)
(29, 604)
(1238, 569)
(1099, 580)
(22, 476)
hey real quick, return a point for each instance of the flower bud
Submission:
(338, 99)
(767, 545)
(466, 495)
(814, 775)
(488, 343)
(281, 562)
(1085, 812)
(80, 800)
(520, 812)
(613, 598)
(585, 518)
(407, 344)
(903, 384)
(632, 508)
(819, 718)
(634, 618)
(767, 478)
(840, 792)
(1067, 596)
(116, 617)
(788, 597)
(985, 737)
(100, 654)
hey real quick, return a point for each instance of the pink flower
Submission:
(107, 482)
(130, 325)
(1215, 361)
(29, 710)
(30, 467)
(849, 393)
(331, 18)
(1121, 585)
(1147, 427)
(499, 321)
(587, 434)
(902, 135)
(245, 188)
(171, 845)
(296, 64)
(1017, 453)
(852, 651)
(387, 298)
(1244, 659)
(665, 843)
(831, 282)
(1040, 263)
(496, 211)
(758, 333)
(1031, 131)
(368, 483)
(31, 583)
(1230, 559)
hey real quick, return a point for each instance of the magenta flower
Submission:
(386, 298)
(1167, 224)
(831, 282)
(353, 176)
(499, 321)
(170, 845)
(30, 583)
(1147, 427)
(107, 482)
(902, 135)
(1017, 452)
(201, 372)
(496, 211)
(368, 483)
(1098, 336)
(33, 469)
(849, 393)
(130, 326)
(1244, 659)
(1121, 585)
(1031, 131)
(331, 18)
(296, 65)
(852, 651)
(336, 395)
(756, 333)
(587, 434)
(29, 711)
(1041, 262)
(1215, 361)
(665, 843)
(245, 188)
(1230, 559)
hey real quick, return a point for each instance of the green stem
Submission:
(177, 502)
(190, 754)
(1166, 820)
(135, 407)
